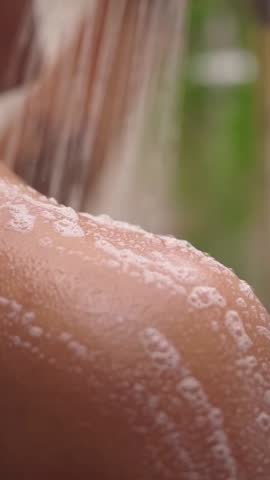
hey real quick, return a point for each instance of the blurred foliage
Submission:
(218, 169)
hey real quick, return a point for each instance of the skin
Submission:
(124, 355)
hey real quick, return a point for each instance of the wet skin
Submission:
(124, 355)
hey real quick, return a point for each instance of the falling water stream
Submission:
(95, 123)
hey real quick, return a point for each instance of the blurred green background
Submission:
(221, 173)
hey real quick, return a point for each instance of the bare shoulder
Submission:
(138, 347)
(195, 348)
